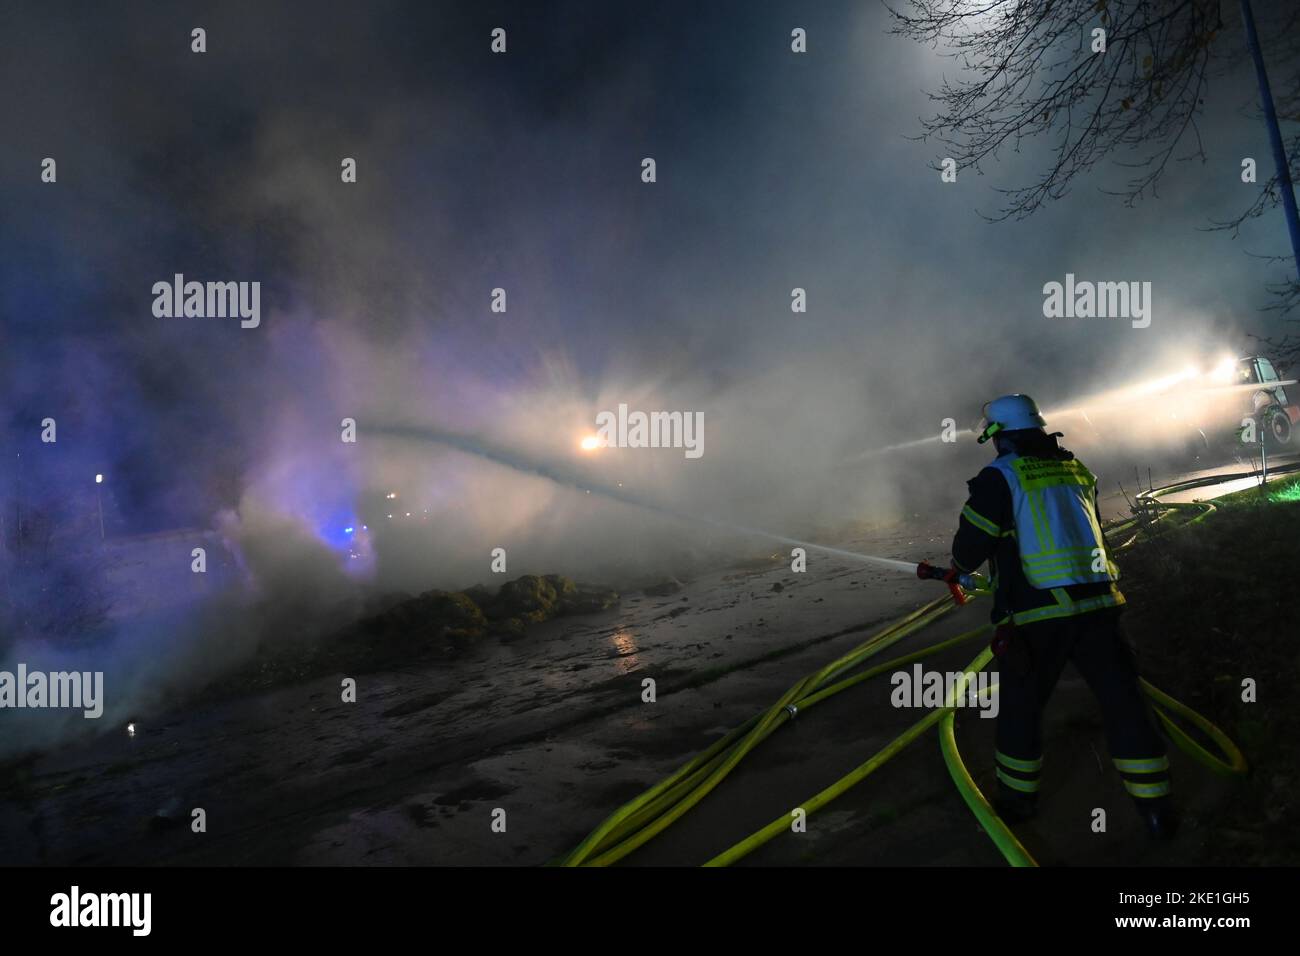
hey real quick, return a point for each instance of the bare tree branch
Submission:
(1028, 71)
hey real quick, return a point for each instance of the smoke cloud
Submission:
(519, 172)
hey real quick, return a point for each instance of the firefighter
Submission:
(1032, 515)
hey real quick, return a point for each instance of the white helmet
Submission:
(1010, 413)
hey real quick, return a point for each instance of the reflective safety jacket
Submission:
(1034, 519)
(1053, 502)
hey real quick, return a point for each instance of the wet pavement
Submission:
(550, 733)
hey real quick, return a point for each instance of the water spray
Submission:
(512, 459)
(1191, 380)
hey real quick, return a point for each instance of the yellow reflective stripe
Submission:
(1042, 531)
(1047, 613)
(1035, 473)
(1149, 765)
(1082, 559)
(1068, 608)
(1049, 569)
(1048, 540)
(1055, 481)
(1061, 554)
(1147, 789)
(1028, 766)
(981, 522)
(1072, 564)
(1077, 564)
(1015, 783)
(1044, 580)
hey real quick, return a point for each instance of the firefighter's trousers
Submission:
(1027, 674)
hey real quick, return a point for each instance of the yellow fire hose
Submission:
(649, 814)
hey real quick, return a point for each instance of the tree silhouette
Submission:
(1030, 73)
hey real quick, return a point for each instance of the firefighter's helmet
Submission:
(1010, 413)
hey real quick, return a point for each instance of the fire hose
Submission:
(641, 819)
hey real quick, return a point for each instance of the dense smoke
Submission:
(523, 172)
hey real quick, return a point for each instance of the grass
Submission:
(1283, 490)
(1212, 604)
(1289, 493)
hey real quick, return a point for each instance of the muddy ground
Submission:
(552, 729)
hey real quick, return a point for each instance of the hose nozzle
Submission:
(958, 582)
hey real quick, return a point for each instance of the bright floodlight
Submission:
(1225, 371)
(99, 479)
(590, 443)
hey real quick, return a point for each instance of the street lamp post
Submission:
(1274, 133)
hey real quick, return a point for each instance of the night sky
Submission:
(522, 171)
